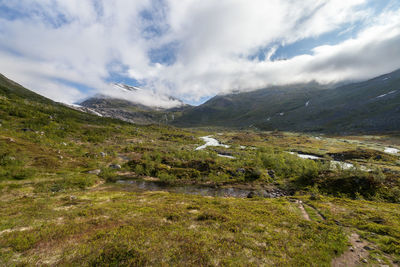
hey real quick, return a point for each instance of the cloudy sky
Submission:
(193, 49)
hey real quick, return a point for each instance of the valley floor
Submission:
(74, 213)
(107, 225)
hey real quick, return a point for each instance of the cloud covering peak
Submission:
(193, 49)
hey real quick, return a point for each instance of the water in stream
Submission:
(140, 186)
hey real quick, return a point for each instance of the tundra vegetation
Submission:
(61, 203)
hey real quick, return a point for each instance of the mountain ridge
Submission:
(367, 106)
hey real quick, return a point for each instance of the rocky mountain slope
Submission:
(130, 108)
(369, 106)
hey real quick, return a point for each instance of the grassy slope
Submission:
(53, 212)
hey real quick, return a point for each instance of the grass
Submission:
(377, 222)
(106, 227)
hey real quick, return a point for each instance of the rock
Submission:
(26, 130)
(60, 157)
(351, 249)
(368, 248)
(251, 194)
(240, 170)
(115, 166)
(271, 174)
(10, 140)
(97, 171)
(378, 220)
(102, 154)
(72, 197)
(364, 260)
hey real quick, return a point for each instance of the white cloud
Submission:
(80, 40)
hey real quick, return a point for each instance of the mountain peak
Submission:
(126, 88)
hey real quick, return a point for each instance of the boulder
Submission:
(97, 171)
(251, 194)
(115, 166)
(271, 174)
(240, 170)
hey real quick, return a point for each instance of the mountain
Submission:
(369, 106)
(133, 105)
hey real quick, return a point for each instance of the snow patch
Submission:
(94, 112)
(305, 156)
(391, 150)
(210, 142)
(75, 105)
(226, 156)
(307, 103)
(391, 92)
(333, 164)
(347, 166)
(343, 165)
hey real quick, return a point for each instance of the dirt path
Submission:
(356, 255)
(303, 211)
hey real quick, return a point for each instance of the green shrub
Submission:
(69, 182)
(119, 255)
(166, 177)
(109, 175)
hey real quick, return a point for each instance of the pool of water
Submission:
(140, 186)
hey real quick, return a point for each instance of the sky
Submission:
(69, 50)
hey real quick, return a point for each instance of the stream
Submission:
(140, 186)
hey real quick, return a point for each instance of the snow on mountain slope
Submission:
(144, 97)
